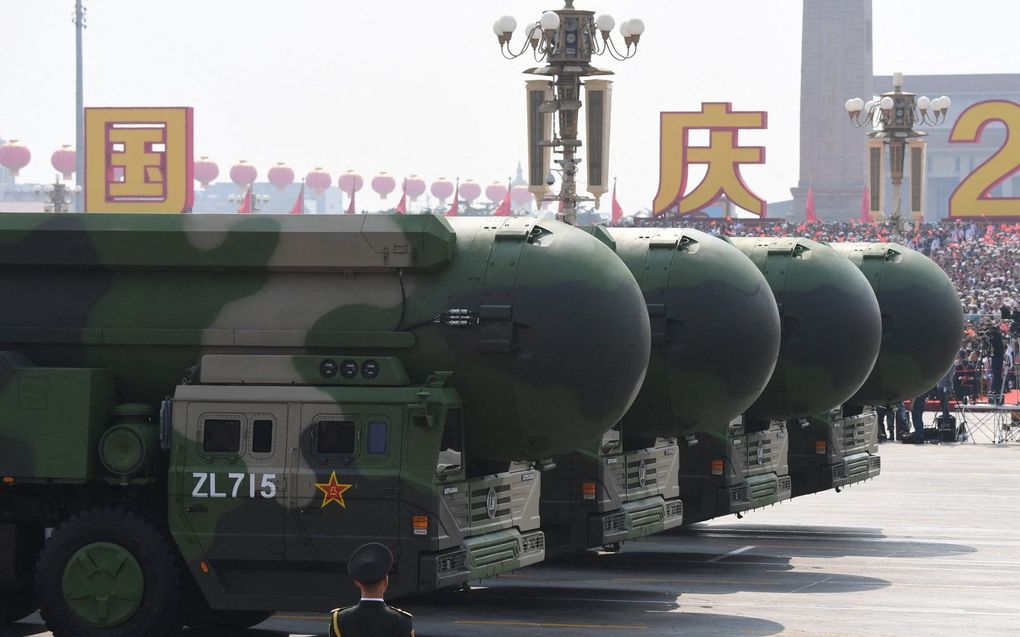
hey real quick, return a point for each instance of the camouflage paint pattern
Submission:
(831, 327)
(922, 321)
(715, 330)
(526, 314)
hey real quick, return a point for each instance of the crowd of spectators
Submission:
(983, 261)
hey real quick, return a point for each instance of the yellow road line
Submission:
(548, 625)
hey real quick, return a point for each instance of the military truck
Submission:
(840, 447)
(715, 339)
(219, 410)
(830, 334)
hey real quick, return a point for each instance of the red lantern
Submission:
(63, 161)
(414, 187)
(350, 182)
(520, 195)
(243, 174)
(442, 189)
(495, 192)
(318, 180)
(470, 190)
(14, 156)
(206, 171)
(281, 176)
(383, 184)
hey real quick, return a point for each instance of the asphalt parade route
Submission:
(931, 548)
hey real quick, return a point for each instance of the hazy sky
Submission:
(419, 87)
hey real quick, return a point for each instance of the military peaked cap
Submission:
(370, 563)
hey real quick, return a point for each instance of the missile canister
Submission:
(544, 328)
(922, 321)
(831, 327)
(715, 330)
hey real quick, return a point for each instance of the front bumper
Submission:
(480, 557)
(755, 492)
(634, 520)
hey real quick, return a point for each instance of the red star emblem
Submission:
(333, 491)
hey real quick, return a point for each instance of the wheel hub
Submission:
(103, 584)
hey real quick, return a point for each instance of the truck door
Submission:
(345, 484)
(231, 489)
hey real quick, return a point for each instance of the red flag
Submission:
(350, 207)
(809, 208)
(866, 207)
(402, 204)
(503, 210)
(454, 209)
(617, 210)
(245, 208)
(299, 205)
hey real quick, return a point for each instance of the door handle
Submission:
(196, 508)
(310, 511)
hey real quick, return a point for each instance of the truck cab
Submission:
(609, 493)
(277, 475)
(834, 450)
(747, 469)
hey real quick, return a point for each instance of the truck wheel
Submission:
(17, 599)
(108, 573)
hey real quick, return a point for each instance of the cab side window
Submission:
(262, 436)
(221, 435)
(378, 432)
(335, 437)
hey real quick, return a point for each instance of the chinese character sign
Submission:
(139, 160)
(723, 157)
(973, 197)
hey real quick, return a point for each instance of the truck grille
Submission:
(752, 456)
(494, 553)
(646, 517)
(675, 509)
(534, 543)
(614, 523)
(858, 468)
(839, 471)
(763, 490)
(479, 504)
(634, 474)
(451, 563)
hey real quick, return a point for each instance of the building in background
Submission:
(836, 64)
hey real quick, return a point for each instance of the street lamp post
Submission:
(567, 39)
(57, 195)
(79, 104)
(892, 118)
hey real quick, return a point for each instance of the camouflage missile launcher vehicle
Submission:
(830, 333)
(922, 326)
(715, 339)
(222, 408)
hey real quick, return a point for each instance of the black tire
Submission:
(157, 613)
(17, 599)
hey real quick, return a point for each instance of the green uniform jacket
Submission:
(370, 619)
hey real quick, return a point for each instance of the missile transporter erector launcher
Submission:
(223, 408)
(830, 331)
(715, 338)
(922, 326)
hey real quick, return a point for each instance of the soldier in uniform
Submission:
(369, 567)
